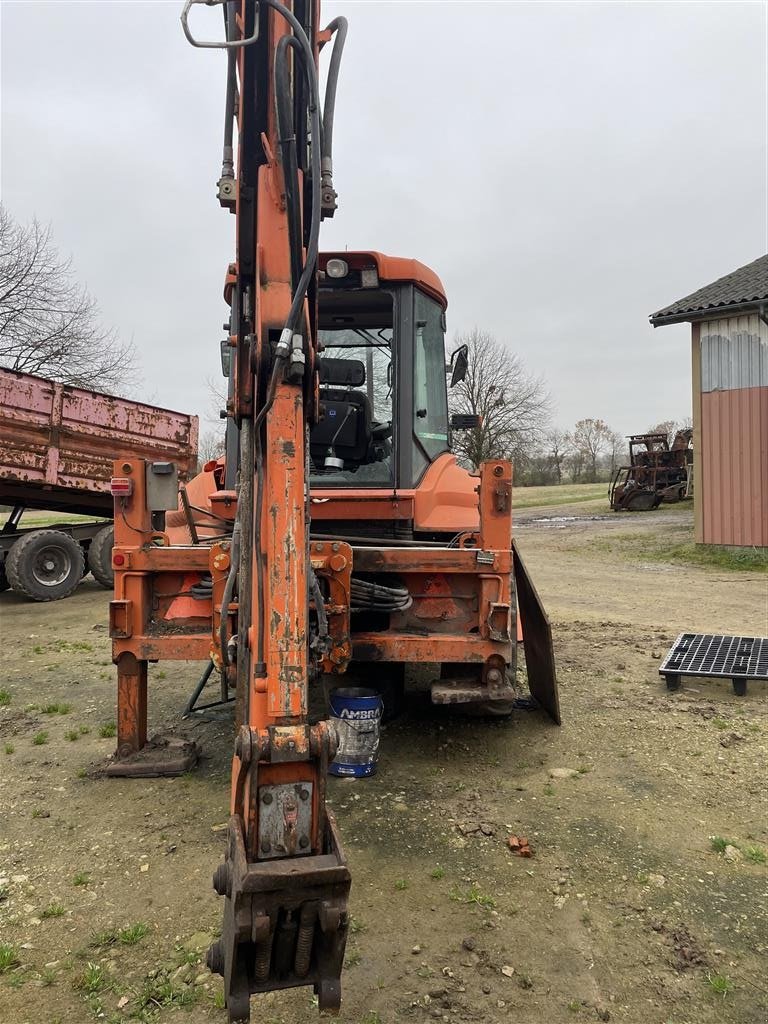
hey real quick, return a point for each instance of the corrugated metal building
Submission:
(729, 323)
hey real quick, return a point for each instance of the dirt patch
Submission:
(105, 894)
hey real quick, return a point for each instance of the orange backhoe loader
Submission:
(338, 535)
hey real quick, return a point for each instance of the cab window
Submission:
(430, 400)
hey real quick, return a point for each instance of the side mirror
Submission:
(226, 357)
(459, 364)
(465, 421)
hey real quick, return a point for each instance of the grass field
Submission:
(676, 546)
(43, 519)
(563, 494)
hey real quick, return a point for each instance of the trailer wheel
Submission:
(100, 557)
(46, 565)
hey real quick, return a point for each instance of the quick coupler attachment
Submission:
(285, 922)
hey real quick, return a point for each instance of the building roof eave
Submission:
(711, 313)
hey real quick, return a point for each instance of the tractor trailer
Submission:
(57, 448)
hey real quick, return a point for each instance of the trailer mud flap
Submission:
(537, 641)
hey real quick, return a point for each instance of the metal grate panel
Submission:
(715, 655)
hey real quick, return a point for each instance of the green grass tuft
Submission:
(5, 698)
(437, 873)
(719, 843)
(720, 983)
(107, 730)
(40, 738)
(9, 748)
(160, 992)
(756, 854)
(53, 910)
(101, 940)
(9, 957)
(90, 980)
(56, 709)
(132, 934)
(401, 884)
(81, 878)
(473, 895)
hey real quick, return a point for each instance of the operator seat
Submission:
(346, 426)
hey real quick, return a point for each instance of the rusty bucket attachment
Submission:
(537, 641)
(285, 923)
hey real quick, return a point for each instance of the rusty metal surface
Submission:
(537, 634)
(285, 923)
(285, 819)
(161, 756)
(732, 489)
(656, 472)
(64, 438)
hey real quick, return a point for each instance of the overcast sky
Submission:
(567, 169)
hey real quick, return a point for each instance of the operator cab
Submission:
(383, 395)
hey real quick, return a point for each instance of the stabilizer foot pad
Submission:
(161, 756)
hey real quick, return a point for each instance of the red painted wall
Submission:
(733, 485)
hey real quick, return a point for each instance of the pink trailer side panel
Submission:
(734, 450)
(55, 436)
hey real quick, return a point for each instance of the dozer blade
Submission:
(285, 923)
(537, 641)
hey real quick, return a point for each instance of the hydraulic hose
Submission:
(229, 589)
(339, 26)
(228, 153)
(308, 63)
(322, 616)
(286, 130)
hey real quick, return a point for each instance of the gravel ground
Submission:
(628, 909)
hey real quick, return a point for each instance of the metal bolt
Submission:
(266, 846)
(303, 842)
(304, 794)
(335, 547)
(267, 798)
(498, 470)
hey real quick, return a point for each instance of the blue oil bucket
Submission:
(356, 713)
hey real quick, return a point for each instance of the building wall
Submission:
(730, 406)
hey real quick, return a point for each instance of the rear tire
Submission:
(45, 565)
(100, 557)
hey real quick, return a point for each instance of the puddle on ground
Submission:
(560, 522)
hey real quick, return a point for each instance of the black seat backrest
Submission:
(346, 426)
(348, 373)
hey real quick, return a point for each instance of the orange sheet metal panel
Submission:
(733, 489)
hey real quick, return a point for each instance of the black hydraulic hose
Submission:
(308, 62)
(339, 26)
(286, 130)
(229, 589)
(322, 617)
(228, 153)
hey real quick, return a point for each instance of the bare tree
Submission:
(557, 448)
(591, 439)
(49, 324)
(210, 446)
(617, 451)
(512, 404)
(671, 427)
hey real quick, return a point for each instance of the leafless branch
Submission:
(513, 405)
(49, 324)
